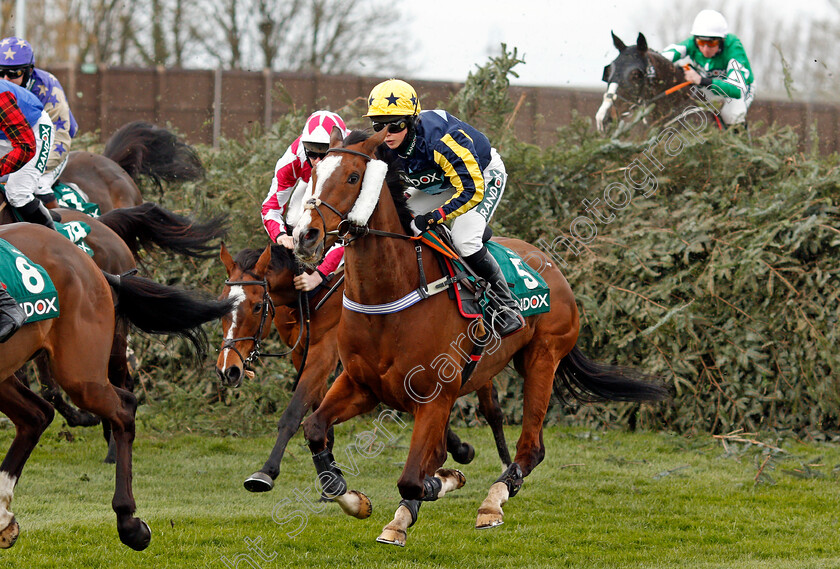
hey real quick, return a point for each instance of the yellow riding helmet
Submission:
(393, 97)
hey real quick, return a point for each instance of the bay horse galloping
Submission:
(137, 149)
(638, 77)
(261, 283)
(408, 359)
(116, 239)
(78, 344)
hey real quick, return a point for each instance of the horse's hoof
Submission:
(355, 504)
(9, 535)
(452, 472)
(488, 519)
(465, 454)
(392, 537)
(259, 482)
(137, 537)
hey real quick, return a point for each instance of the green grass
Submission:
(600, 499)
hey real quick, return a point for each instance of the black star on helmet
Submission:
(414, 101)
(370, 102)
(392, 100)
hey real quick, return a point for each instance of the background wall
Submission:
(204, 105)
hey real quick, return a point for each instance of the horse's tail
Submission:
(149, 224)
(589, 381)
(162, 309)
(142, 148)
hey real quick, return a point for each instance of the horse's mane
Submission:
(281, 258)
(394, 181)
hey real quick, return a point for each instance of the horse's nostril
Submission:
(310, 236)
(232, 376)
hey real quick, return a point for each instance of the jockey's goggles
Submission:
(394, 127)
(707, 42)
(312, 155)
(12, 73)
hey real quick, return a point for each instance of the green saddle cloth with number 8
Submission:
(28, 283)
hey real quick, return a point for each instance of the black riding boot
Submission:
(505, 318)
(11, 315)
(36, 212)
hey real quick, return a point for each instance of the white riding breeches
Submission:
(22, 185)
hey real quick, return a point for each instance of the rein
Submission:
(268, 307)
(345, 228)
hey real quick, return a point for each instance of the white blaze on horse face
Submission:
(7, 487)
(609, 97)
(325, 169)
(237, 293)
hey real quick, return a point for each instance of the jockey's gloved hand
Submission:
(421, 223)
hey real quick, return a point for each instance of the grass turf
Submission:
(600, 499)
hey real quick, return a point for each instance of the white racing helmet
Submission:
(709, 24)
(318, 127)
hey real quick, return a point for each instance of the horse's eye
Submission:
(258, 308)
(353, 178)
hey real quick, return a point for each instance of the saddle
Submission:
(525, 283)
(75, 231)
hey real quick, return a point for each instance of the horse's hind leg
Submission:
(462, 452)
(31, 416)
(537, 369)
(52, 394)
(119, 374)
(81, 369)
(488, 406)
(117, 406)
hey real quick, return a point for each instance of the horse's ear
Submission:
(227, 260)
(374, 141)
(619, 45)
(262, 263)
(335, 137)
(641, 43)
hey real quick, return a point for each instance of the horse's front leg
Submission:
(426, 454)
(31, 415)
(344, 400)
(309, 392)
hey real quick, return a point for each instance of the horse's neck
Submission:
(380, 269)
(667, 74)
(281, 288)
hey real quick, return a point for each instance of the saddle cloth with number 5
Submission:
(28, 283)
(528, 287)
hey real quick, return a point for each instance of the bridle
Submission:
(346, 231)
(267, 312)
(649, 74)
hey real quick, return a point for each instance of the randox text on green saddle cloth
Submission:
(28, 283)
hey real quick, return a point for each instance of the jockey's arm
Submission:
(59, 112)
(19, 132)
(273, 212)
(456, 156)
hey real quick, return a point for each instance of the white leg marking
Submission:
(7, 487)
(601, 115)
